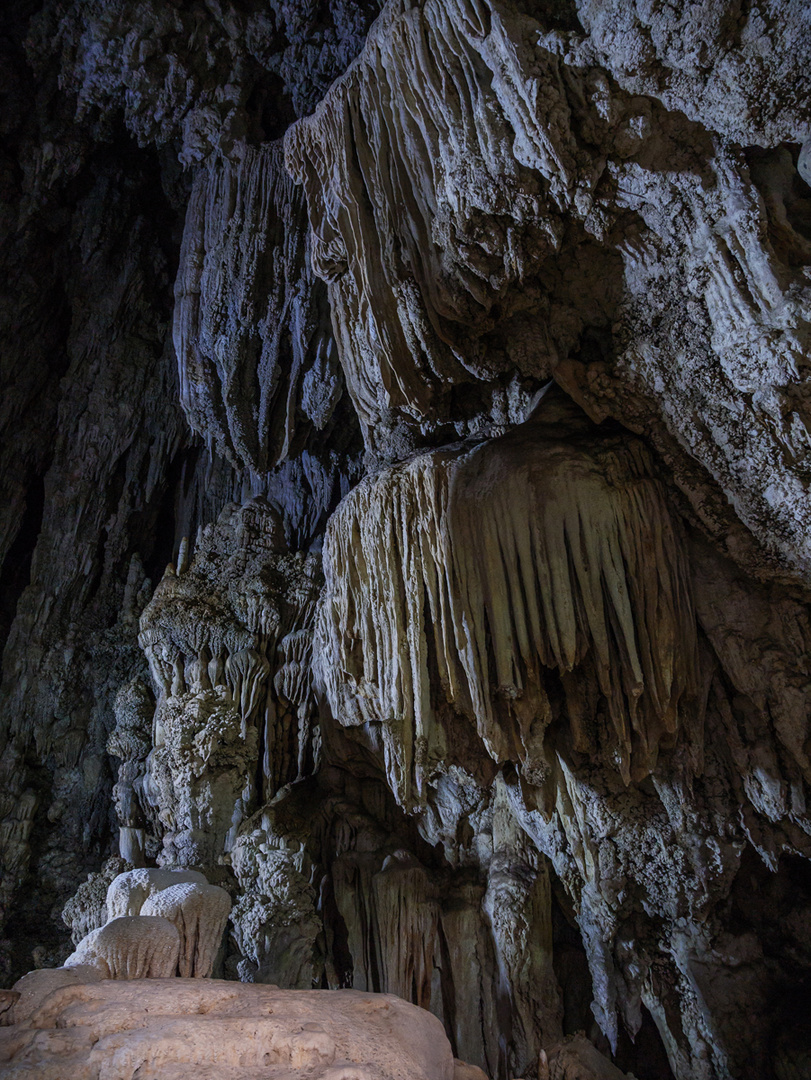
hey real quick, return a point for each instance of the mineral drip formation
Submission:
(405, 537)
(467, 576)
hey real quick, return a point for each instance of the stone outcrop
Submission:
(184, 919)
(472, 571)
(88, 908)
(256, 356)
(481, 186)
(200, 912)
(175, 1028)
(404, 529)
(35, 987)
(130, 947)
(128, 892)
(227, 634)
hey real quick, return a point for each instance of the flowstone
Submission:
(173, 1028)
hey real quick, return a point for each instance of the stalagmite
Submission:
(128, 892)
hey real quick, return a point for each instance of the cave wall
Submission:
(405, 505)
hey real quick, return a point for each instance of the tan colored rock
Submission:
(576, 1059)
(36, 986)
(180, 1027)
(550, 549)
(463, 1071)
(8, 998)
(200, 912)
(131, 947)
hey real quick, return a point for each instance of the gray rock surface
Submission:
(404, 508)
(256, 356)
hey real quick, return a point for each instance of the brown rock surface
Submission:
(168, 1028)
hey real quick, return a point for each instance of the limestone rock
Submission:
(87, 909)
(218, 633)
(200, 912)
(441, 238)
(35, 987)
(128, 892)
(257, 372)
(8, 998)
(496, 563)
(100, 477)
(537, 758)
(338, 889)
(576, 1059)
(131, 947)
(204, 77)
(463, 1071)
(176, 1028)
(275, 921)
(716, 65)
(130, 741)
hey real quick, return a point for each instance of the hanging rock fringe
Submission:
(493, 567)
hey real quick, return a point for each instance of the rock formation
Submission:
(184, 917)
(255, 352)
(128, 892)
(130, 947)
(200, 912)
(404, 519)
(178, 1028)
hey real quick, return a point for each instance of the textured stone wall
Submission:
(405, 506)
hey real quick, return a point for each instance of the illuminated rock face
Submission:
(129, 947)
(549, 549)
(256, 356)
(182, 1027)
(405, 516)
(507, 201)
(200, 912)
(156, 924)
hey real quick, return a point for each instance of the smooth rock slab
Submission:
(168, 1029)
(35, 987)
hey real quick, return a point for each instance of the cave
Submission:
(405, 550)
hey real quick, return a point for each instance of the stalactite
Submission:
(256, 359)
(519, 556)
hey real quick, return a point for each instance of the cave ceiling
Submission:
(405, 510)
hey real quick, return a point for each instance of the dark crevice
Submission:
(270, 110)
(448, 991)
(334, 921)
(158, 525)
(644, 1055)
(15, 574)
